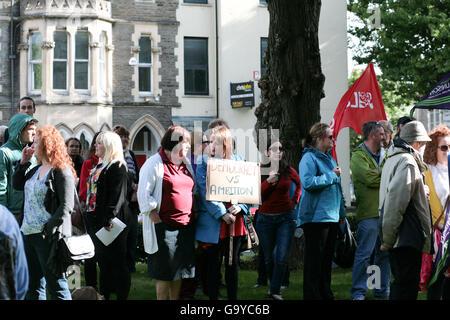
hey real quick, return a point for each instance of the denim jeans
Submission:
(37, 250)
(276, 232)
(369, 242)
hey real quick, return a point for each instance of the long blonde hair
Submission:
(223, 135)
(113, 148)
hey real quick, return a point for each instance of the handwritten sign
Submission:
(233, 181)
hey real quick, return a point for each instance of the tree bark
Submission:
(293, 85)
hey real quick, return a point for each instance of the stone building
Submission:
(145, 64)
(92, 64)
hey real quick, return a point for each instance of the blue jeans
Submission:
(276, 232)
(369, 242)
(37, 250)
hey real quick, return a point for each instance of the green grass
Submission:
(143, 287)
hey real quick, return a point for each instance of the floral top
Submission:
(91, 193)
(35, 215)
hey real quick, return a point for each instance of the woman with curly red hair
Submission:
(49, 190)
(436, 178)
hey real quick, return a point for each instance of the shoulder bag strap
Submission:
(121, 198)
(443, 212)
(77, 202)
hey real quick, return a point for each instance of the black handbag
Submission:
(345, 247)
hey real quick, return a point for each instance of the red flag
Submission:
(361, 103)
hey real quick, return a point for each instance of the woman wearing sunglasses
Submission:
(436, 178)
(277, 218)
(321, 208)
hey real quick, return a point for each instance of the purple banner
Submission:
(439, 97)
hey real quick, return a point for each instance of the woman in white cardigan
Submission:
(165, 197)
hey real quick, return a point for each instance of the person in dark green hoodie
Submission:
(22, 129)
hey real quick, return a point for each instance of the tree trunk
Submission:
(293, 86)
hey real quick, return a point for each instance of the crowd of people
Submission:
(401, 187)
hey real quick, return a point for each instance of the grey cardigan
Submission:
(59, 200)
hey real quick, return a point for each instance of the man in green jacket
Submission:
(366, 174)
(22, 129)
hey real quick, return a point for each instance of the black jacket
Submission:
(112, 187)
(59, 199)
(132, 178)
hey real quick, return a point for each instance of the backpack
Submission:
(7, 267)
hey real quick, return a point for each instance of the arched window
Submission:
(84, 143)
(142, 145)
(65, 133)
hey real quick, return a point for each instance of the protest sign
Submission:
(233, 181)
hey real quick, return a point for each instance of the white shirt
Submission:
(149, 196)
(439, 172)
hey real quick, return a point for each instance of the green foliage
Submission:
(411, 45)
(143, 287)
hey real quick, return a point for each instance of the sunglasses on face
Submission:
(277, 149)
(329, 137)
(444, 148)
(207, 142)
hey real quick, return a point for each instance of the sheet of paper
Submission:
(106, 237)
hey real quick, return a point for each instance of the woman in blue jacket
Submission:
(321, 208)
(214, 220)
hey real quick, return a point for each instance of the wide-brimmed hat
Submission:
(414, 131)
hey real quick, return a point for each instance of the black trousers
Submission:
(440, 289)
(320, 239)
(90, 265)
(132, 239)
(114, 273)
(213, 253)
(112, 260)
(405, 264)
